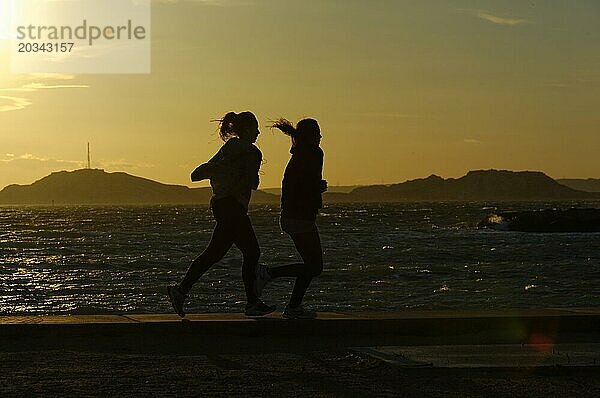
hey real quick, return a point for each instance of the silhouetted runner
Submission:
(301, 200)
(233, 174)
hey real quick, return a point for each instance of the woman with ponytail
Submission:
(233, 174)
(301, 200)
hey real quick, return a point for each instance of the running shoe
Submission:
(259, 309)
(298, 313)
(263, 276)
(177, 299)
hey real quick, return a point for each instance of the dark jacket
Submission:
(302, 184)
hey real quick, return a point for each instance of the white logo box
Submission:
(77, 36)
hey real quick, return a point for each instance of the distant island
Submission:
(588, 184)
(479, 185)
(95, 186)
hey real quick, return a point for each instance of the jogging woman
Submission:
(233, 174)
(301, 200)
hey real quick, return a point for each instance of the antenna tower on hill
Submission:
(88, 153)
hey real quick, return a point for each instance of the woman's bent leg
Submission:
(218, 246)
(309, 248)
(245, 240)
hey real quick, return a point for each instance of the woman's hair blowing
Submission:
(305, 130)
(236, 124)
(286, 127)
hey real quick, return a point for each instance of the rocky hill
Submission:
(588, 184)
(480, 185)
(94, 186)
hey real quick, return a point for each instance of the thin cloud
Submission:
(32, 87)
(32, 83)
(8, 104)
(495, 19)
(51, 76)
(53, 163)
(472, 141)
(31, 158)
(499, 20)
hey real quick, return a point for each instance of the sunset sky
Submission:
(402, 90)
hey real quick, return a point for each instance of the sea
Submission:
(377, 257)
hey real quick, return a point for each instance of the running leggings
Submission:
(233, 227)
(308, 245)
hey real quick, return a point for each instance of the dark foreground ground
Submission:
(59, 373)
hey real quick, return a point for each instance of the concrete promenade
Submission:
(235, 333)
